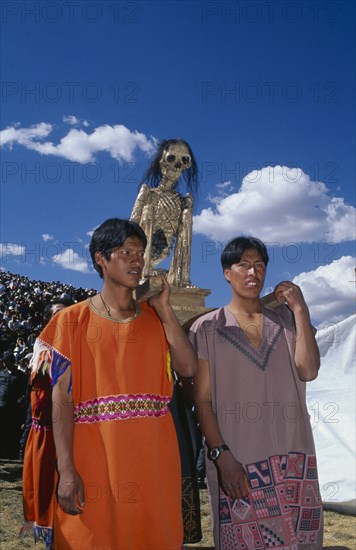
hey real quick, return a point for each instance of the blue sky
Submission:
(264, 92)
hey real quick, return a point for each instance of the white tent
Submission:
(331, 404)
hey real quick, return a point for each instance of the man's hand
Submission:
(161, 300)
(292, 294)
(70, 492)
(232, 476)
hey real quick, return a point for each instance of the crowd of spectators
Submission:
(22, 305)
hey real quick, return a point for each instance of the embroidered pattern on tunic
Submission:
(284, 507)
(47, 359)
(36, 425)
(44, 534)
(121, 407)
(260, 363)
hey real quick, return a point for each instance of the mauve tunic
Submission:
(261, 410)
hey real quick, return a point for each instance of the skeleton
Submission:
(165, 215)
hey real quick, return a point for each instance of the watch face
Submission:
(214, 454)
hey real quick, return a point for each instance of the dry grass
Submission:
(339, 530)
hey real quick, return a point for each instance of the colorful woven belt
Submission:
(38, 427)
(121, 407)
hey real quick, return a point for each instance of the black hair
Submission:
(153, 174)
(234, 250)
(111, 234)
(47, 312)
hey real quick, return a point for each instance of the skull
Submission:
(175, 159)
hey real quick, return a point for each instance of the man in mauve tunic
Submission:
(253, 363)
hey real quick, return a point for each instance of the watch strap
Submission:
(217, 451)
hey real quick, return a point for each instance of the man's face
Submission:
(124, 268)
(247, 277)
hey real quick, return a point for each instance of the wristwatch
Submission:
(215, 452)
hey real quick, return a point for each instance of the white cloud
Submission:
(278, 204)
(11, 249)
(68, 259)
(71, 119)
(223, 187)
(25, 136)
(79, 146)
(46, 237)
(329, 290)
(74, 121)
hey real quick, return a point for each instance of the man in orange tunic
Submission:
(39, 467)
(110, 364)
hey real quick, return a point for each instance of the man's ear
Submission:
(99, 258)
(227, 272)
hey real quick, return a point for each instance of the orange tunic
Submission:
(125, 445)
(39, 467)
